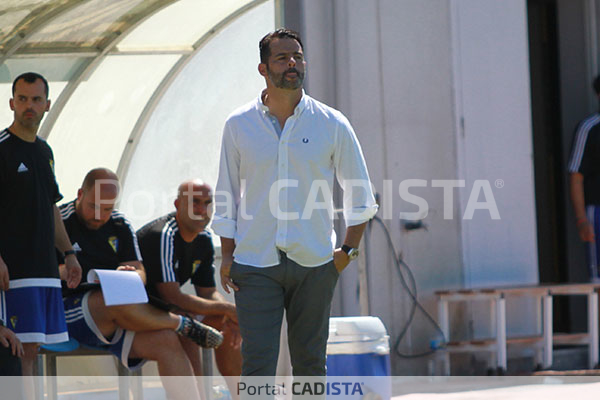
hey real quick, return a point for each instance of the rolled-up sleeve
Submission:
(351, 171)
(227, 193)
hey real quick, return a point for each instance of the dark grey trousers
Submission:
(305, 293)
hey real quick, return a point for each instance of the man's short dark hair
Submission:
(31, 77)
(265, 43)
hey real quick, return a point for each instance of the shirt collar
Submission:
(299, 108)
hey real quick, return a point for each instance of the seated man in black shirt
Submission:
(104, 239)
(177, 248)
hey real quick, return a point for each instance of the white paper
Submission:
(119, 287)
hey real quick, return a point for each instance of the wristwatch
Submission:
(351, 251)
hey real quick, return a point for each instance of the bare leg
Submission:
(133, 317)
(31, 352)
(229, 359)
(173, 365)
(27, 361)
(193, 353)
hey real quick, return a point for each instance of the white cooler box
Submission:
(359, 347)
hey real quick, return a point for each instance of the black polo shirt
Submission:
(168, 258)
(585, 157)
(28, 191)
(105, 248)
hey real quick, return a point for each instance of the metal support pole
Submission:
(593, 329)
(444, 321)
(501, 332)
(547, 330)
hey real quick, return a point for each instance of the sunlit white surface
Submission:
(182, 138)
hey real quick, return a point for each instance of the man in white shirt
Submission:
(274, 211)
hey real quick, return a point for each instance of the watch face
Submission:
(353, 253)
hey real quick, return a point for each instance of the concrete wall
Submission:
(436, 90)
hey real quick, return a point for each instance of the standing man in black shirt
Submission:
(104, 239)
(177, 248)
(31, 226)
(584, 169)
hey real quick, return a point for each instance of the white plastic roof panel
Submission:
(53, 68)
(194, 19)
(68, 26)
(85, 25)
(13, 13)
(95, 124)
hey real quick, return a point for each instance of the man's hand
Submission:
(586, 230)
(232, 330)
(8, 338)
(226, 281)
(73, 271)
(4, 278)
(340, 260)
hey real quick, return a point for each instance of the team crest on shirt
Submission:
(13, 321)
(195, 266)
(51, 162)
(114, 243)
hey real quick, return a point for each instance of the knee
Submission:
(214, 321)
(168, 339)
(158, 345)
(96, 305)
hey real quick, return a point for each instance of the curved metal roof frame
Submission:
(34, 22)
(88, 68)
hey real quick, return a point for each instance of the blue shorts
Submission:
(83, 328)
(33, 309)
(593, 253)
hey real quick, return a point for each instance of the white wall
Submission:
(493, 99)
(406, 73)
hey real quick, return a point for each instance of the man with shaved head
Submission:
(103, 238)
(177, 248)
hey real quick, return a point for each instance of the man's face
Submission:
(95, 205)
(29, 103)
(286, 66)
(194, 207)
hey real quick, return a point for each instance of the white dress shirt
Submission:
(275, 192)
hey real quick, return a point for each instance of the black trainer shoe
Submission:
(201, 334)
